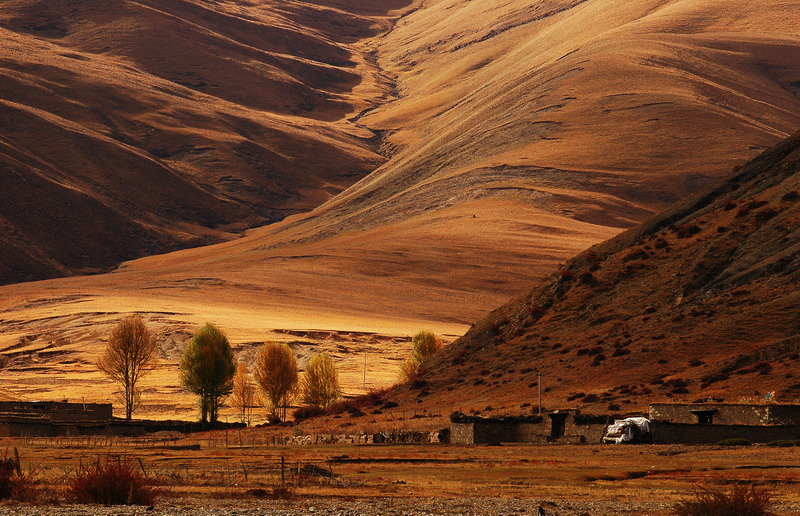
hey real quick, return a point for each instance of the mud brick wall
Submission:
(484, 432)
(59, 411)
(727, 414)
(681, 433)
(591, 434)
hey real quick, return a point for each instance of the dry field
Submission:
(438, 478)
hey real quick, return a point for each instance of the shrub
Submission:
(790, 196)
(734, 442)
(307, 412)
(765, 214)
(587, 278)
(784, 443)
(13, 485)
(686, 230)
(425, 344)
(636, 254)
(113, 483)
(566, 274)
(740, 500)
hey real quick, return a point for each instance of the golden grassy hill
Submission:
(140, 127)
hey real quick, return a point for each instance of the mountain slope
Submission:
(700, 301)
(522, 134)
(138, 127)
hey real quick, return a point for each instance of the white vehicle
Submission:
(630, 430)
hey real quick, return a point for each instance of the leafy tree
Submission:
(424, 345)
(243, 396)
(320, 385)
(207, 369)
(276, 374)
(129, 355)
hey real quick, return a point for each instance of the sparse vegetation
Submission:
(734, 442)
(424, 345)
(207, 370)
(741, 500)
(276, 374)
(129, 355)
(784, 443)
(320, 384)
(113, 483)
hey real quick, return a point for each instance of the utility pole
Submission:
(539, 384)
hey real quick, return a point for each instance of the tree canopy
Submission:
(320, 384)
(207, 369)
(129, 355)
(275, 371)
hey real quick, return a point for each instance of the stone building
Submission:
(562, 426)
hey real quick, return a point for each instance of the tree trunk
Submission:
(128, 402)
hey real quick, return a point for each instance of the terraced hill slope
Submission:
(137, 127)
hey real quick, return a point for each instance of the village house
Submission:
(695, 423)
(563, 426)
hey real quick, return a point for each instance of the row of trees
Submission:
(209, 370)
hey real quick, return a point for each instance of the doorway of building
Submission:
(558, 425)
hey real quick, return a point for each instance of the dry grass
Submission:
(740, 500)
(622, 473)
(112, 482)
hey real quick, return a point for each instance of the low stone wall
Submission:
(396, 437)
(681, 433)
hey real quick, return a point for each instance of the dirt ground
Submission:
(216, 474)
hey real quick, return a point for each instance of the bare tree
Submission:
(320, 385)
(207, 369)
(129, 355)
(425, 344)
(243, 396)
(276, 374)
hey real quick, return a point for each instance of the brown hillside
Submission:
(136, 127)
(701, 301)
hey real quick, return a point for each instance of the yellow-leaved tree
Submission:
(320, 384)
(425, 344)
(275, 371)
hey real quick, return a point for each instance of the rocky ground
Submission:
(350, 506)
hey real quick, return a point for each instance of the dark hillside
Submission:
(701, 301)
